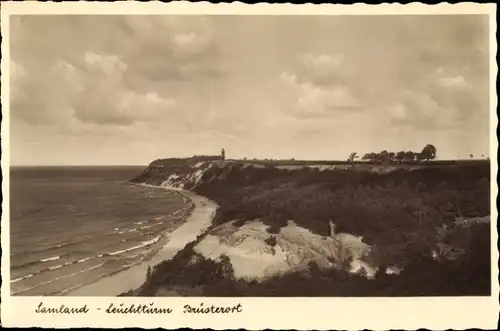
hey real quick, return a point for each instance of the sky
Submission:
(119, 90)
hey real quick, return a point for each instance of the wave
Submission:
(152, 241)
(21, 278)
(54, 267)
(57, 278)
(143, 244)
(86, 259)
(63, 245)
(53, 258)
(69, 289)
(59, 266)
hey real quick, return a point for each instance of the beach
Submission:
(196, 223)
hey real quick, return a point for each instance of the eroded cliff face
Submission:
(209, 172)
(178, 173)
(293, 248)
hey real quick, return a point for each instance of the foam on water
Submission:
(58, 278)
(50, 259)
(143, 244)
(21, 278)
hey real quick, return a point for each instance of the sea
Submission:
(71, 226)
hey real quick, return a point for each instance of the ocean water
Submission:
(71, 226)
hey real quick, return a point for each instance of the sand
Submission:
(132, 278)
(253, 258)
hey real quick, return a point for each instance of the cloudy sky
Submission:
(130, 89)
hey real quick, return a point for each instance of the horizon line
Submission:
(228, 159)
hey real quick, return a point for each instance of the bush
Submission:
(274, 229)
(271, 241)
(240, 222)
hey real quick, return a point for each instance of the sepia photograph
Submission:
(265, 156)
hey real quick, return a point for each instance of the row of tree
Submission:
(428, 153)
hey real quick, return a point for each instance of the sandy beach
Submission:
(196, 223)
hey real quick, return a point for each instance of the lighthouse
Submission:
(223, 154)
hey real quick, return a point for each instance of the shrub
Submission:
(271, 241)
(239, 222)
(274, 229)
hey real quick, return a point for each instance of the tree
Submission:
(428, 152)
(352, 156)
(471, 155)
(368, 156)
(409, 156)
(384, 155)
(226, 266)
(400, 156)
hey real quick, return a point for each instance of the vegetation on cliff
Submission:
(398, 212)
(191, 274)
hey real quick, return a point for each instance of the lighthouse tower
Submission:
(223, 154)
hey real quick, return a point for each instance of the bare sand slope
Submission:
(295, 246)
(132, 278)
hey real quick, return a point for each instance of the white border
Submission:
(258, 313)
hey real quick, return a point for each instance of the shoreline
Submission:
(197, 222)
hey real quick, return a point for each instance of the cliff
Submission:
(275, 216)
(177, 172)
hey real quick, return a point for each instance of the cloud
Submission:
(397, 111)
(120, 77)
(453, 82)
(190, 43)
(316, 89)
(421, 96)
(170, 49)
(123, 108)
(109, 65)
(324, 69)
(420, 110)
(323, 62)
